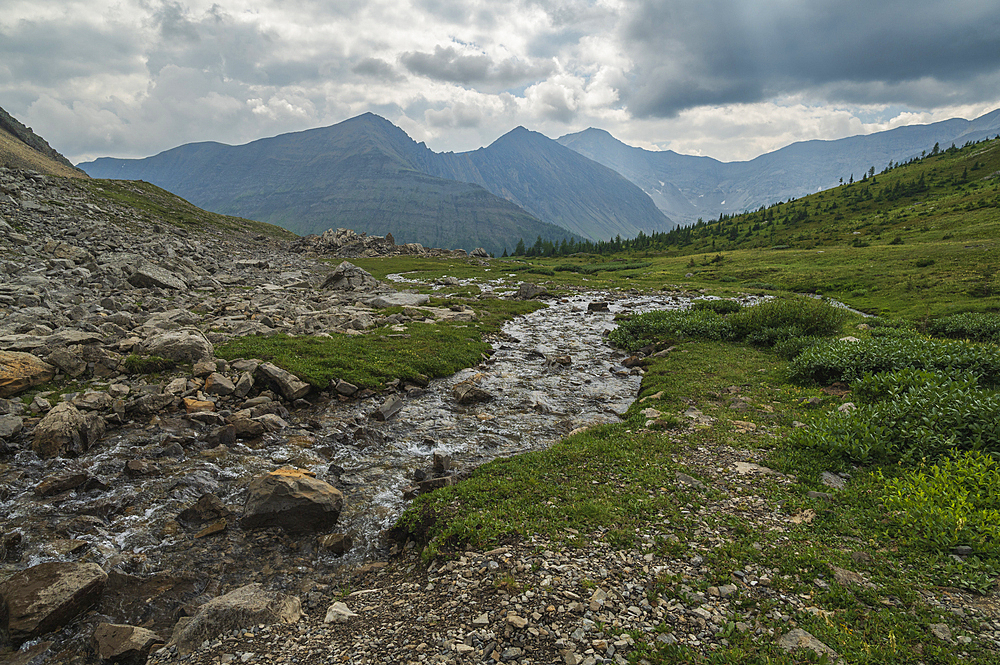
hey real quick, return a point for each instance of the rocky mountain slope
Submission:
(22, 148)
(686, 187)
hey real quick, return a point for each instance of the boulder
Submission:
(292, 499)
(349, 277)
(68, 362)
(10, 425)
(65, 430)
(124, 645)
(467, 392)
(147, 275)
(218, 384)
(46, 597)
(20, 371)
(184, 346)
(529, 291)
(390, 407)
(290, 385)
(246, 607)
(480, 253)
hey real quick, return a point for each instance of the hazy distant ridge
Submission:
(686, 187)
(368, 175)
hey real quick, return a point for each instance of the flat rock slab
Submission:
(46, 597)
(124, 645)
(148, 275)
(20, 371)
(799, 639)
(243, 608)
(401, 299)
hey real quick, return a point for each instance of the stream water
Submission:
(551, 372)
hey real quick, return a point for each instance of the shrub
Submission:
(790, 347)
(765, 324)
(787, 317)
(911, 416)
(849, 361)
(718, 306)
(953, 502)
(976, 327)
(651, 327)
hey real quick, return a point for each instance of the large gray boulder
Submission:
(245, 607)
(65, 430)
(349, 277)
(293, 500)
(20, 371)
(46, 597)
(185, 346)
(147, 275)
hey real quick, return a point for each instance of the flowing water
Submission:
(551, 372)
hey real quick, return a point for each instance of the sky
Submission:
(730, 79)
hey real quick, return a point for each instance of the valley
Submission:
(652, 449)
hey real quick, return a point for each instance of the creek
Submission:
(550, 373)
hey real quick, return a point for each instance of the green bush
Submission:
(718, 306)
(849, 361)
(953, 502)
(976, 327)
(790, 347)
(873, 388)
(910, 417)
(652, 327)
(795, 316)
(765, 324)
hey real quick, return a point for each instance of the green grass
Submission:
(378, 357)
(160, 206)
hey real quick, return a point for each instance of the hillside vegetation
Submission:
(917, 239)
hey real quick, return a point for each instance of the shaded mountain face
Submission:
(21, 148)
(686, 187)
(367, 174)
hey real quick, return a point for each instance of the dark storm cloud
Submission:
(449, 65)
(689, 54)
(376, 69)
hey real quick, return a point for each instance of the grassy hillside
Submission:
(160, 206)
(918, 239)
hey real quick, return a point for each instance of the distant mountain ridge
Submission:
(687, 187)
(369, 175)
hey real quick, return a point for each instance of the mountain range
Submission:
(686, 187)
(369, 175)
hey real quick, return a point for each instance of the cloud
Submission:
(729, 78)
(715, 52)
(450, 65)
(377, 69)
